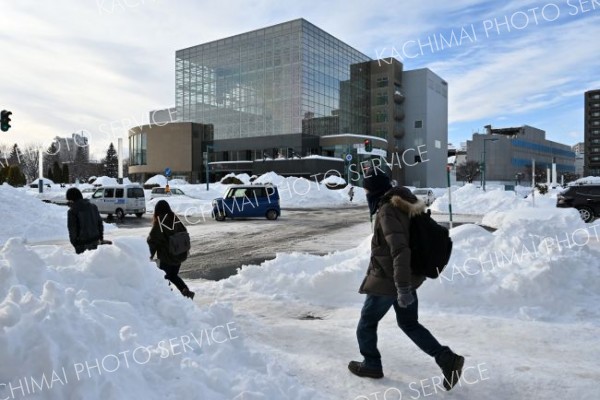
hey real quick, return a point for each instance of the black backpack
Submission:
(430, 246)
(179, 245)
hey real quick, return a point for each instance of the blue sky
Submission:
(100, 66)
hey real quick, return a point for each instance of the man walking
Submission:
(390, 282)
(84, 222)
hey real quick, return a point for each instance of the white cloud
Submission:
(70, 65)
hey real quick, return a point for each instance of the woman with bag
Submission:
(165, 225)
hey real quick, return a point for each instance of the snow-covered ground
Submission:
(520, 303)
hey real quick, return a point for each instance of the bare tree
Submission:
(30, 161)
(4, 153)
(540, 173)
(467, 171)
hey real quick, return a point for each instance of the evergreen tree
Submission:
(50, 175)
(51, 155)
(15, 156)
(15, 176)
(111, 162)
(3, 174)
(65, 174)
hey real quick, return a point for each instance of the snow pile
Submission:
(330, 280)
(539, 264)
(108, 181)
(333, 180)
(469, 199)
(587, 180)
(303, 193)
(244, 178)
(104, 325)
(105, 181)
(160, 180)
(173, 182)
(28, 217)
(23, 215)
(46, 181)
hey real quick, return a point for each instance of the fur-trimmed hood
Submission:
(405, 200)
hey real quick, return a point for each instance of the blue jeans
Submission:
(374, 310)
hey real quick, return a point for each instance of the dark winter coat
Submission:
(389, 267)
(85, 225)
(158, 239)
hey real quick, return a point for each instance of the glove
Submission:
(405, 296)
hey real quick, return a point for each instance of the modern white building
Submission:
(426, 127)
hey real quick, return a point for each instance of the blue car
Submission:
(248, 201)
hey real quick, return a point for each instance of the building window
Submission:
(596, 96)
(381, 99)
(595, 149)
(381, 116)
(596, 141)
(595, 131)
(137, 149)
(596, 114)
(418, 124)
(380, 132)
(382, 82)
(438, 144)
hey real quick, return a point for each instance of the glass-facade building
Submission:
(274, 88)
(592, 133)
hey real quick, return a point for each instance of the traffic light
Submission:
(5, 122)
(368, 145)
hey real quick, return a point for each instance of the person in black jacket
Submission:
(164, 224)
(390, 282)
(84, 222)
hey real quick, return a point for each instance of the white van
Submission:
(120, 200)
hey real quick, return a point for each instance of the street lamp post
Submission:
(484, 166)
(208, 148)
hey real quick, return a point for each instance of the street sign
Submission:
(348, 157)
(167, 172)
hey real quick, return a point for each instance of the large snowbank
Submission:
(24, 215)
(517, 271)
(469, 199)
(160, 180)
(104, 325)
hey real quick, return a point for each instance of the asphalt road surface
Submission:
(220, 248)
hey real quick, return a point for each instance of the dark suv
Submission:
(585, 198)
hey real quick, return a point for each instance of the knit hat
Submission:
(162, 208)
(73, 194)
(376, 181)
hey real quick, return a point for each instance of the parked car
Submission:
(246, 201)
(425, 194)
(162, 192)
(120, 200)
(585, 198)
